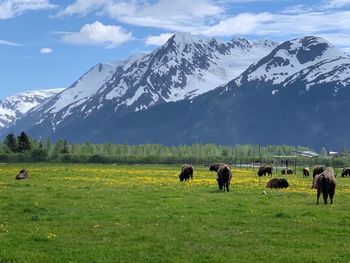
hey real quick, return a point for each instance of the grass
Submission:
(142, 213)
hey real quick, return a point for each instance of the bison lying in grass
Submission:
(277, 183)
(186, 172)
(325, 183)
(263, 170)
(23, 174)
(224, 177)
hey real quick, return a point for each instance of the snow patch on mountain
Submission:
(291, 57)
(185, 67)
(16, 106)
(85, 87)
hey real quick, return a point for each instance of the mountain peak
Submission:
(247, 44)
(290, 57)
(309, 48)
(241, 42)
(183, 37)
(15, 106)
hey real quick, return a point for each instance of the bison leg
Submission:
(318, 196)
(325, 197)
(227, 187)
(331, 194)
(219, 183)
(331, 197)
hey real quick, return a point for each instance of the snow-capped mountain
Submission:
(14, 107)
(185, 67)
(86, 87)
(297, 56)
(298, 94)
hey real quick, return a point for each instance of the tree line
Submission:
(23, 148)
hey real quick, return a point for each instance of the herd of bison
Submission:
(323, 178)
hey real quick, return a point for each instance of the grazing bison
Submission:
(23, 174)
(306, 172)
(215, 166)
(317, 170)
(325, 183)
(345, 172)
(186, 172)
(277, 183)
(224, 177)
(263, 170)
(283, 171)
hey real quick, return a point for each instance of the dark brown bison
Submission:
(306, 172)
(325, 183)
(317, 170)
(215, 166)
(23, 174)
(287, 171)
(263, 170)
(186, 172)
(277, 183)
(345, 172)
(224, 177)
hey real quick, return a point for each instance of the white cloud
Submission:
(83, 7)
(9, 43)
(280, 25)
(179, 15)
(13, 8)
(336, 3)
(212, 17)
(98, 34)
(245, 23)
(158, 40)
(46, 50)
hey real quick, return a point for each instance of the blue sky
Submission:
(49, 44)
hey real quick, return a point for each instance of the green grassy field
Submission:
(109, 213)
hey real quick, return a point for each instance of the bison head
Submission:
(284, 183)
(182, 177)
(212, 168)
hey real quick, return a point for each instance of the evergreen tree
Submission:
(65, 149)
(23, 142)
(11, 143)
